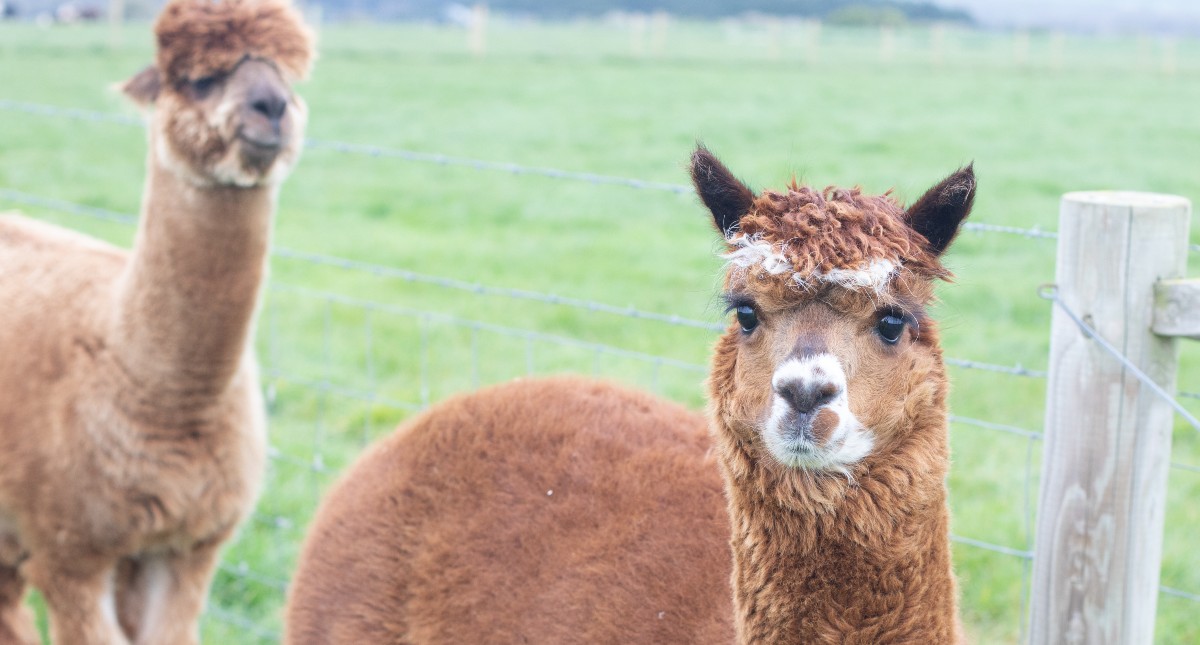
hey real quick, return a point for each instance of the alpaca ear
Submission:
(144, 87)
(940, 211)
(725, 195)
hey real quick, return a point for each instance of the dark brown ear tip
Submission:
(962, 183)
(968, 172)
(702, 159)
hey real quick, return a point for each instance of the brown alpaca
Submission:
(570, 511)
(132, 431)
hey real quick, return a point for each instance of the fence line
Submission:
(327, 386)
(1187, 467)
(1015, 370)
(260, 633)
(478, 164)
(95, 116)
(461, 285)
(998, 427)
(1050, 292)
(490, 327)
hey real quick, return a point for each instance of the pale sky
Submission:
(1082, 13)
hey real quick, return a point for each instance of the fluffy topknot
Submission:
(819, 232)
(199, 38)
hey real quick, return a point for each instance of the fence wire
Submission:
(478, 164)
(325, 407)
(332, 390)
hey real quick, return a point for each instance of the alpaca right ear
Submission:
(940, 212)
(144, 87)
(725, 195)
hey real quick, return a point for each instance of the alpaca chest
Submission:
(155, 486)
(196, 490)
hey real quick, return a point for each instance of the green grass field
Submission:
(1070, 114)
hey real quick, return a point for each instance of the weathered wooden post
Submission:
(1021, 48)
(937, 43)
(637, 35)
(477, 31)
(1107, 435)
(116, 21)
(774, 37)
(659, 21)
(887, 44)
(1057, 46)
(1169, 59)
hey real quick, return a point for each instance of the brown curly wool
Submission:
(838, 228)
(199, 38)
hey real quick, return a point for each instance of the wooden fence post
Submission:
(116, 21)
(1107, 437)
(477, 31)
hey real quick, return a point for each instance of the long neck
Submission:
(186, 300)
(819, 559)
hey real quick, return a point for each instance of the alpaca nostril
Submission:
(807, 397)
(270, 104)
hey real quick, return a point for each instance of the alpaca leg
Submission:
(131, 597)
(171, 590)
(79, 598)
(16, 619)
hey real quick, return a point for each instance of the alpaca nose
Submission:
(806, 395)
(268, 101)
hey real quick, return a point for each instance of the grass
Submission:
(1101, 114)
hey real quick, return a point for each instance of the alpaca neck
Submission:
(820, 559)
(186, 300)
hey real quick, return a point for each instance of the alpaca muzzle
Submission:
(810, 424)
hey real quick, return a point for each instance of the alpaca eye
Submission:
(202, 86)
(747, 318)
(890, 326)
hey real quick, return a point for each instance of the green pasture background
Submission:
(1038, 114)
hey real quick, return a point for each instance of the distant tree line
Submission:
(864, 12)
(724, 8)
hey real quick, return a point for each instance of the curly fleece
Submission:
(200, 38)
(818, 232)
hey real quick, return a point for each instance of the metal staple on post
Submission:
(1050, 292)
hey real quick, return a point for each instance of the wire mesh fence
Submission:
(341, 369)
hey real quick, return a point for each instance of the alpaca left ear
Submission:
(942, 209)
(144, 87)
(725, 195)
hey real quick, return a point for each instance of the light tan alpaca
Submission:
(132, 432)
(570, 511)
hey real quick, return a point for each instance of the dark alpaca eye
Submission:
(890, 326)
(202, 86)
(747, 318)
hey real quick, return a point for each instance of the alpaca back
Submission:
(53, 282)
(541, 511)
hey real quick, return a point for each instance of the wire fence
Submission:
(334, 381)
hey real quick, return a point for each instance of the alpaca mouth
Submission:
(826, 438)
(809, 428)
(259, 154)
(270, 145)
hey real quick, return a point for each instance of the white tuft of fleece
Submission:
(752, 250)
(875, 276)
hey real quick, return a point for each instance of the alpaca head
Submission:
(830, 357)
(224, 110)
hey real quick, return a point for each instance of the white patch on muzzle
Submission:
(847, 444)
